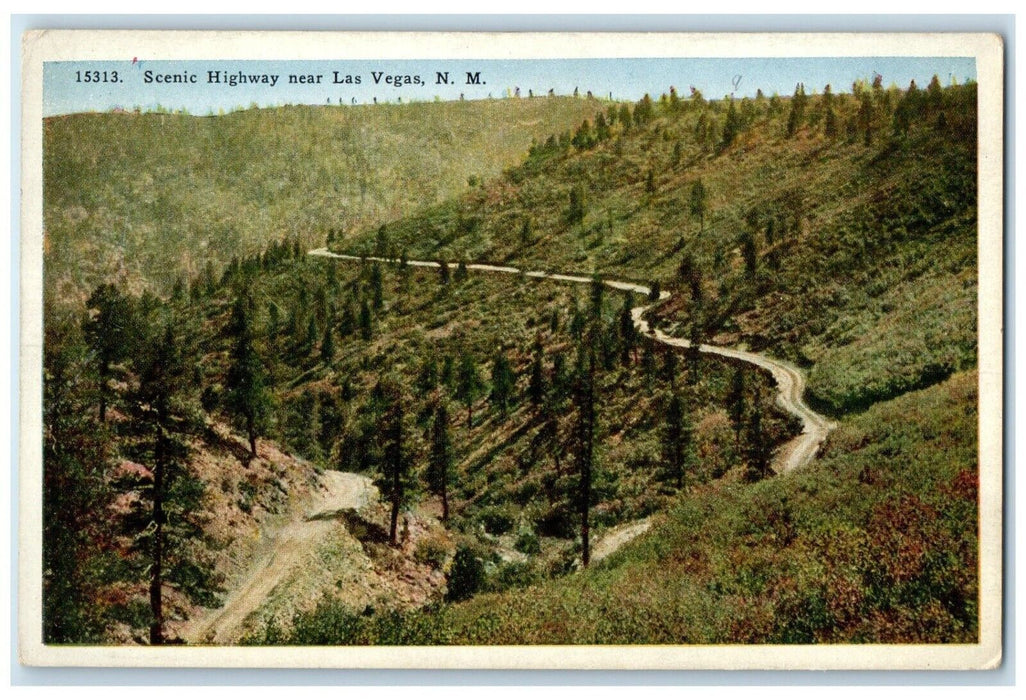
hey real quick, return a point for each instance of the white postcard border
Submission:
(62, 45)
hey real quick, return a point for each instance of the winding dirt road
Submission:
(789, 379)
(339, 491)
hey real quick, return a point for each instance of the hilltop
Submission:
(146, 199)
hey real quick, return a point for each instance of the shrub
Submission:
(512, 575)
(496, 521)
(467, 575)
(433, 550)
(558, 521)
(528, 543)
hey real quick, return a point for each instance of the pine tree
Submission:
(311, 335)
(670, 367)
(381, 244)
(366, 328)
(273, 318)
(395, 461)
(347, 324)
(654, 291)
(611, 114)
(865, 118)
(377, 287)
(468, 385)
(676, 441)
(597, 289)
(327, 346)
(750, 254)
(583, 137)
(175, 494)
(647, 364)
(247, 395)
(691, 275)
(332, 419)
(736, 402)
(757, 451)
(624, 117)
(644, 111)
(503, 382)
(440, 463)
(693, 353)
(628, 332)
(698, 202)
(584, 440)
(577, 322)
(830, 121)
(536, 388)
(157, 386)
(526, 235)
(796, 117)
(468, 574)
(731, 127)
(209, 280)
(427, 378)
(934, 95)
(107, 332)
(575, 212)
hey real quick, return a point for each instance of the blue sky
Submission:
(64, 93)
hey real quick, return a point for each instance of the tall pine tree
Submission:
(248, 397)
(584, 442)
(503, 382)
(468, 384)
(440, 462)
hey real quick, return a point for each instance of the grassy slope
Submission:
(869, 544)
(147, 197)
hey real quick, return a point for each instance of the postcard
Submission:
(521, 351)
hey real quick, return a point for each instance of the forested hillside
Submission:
(515, 426)
(835, 230)
(143, 199)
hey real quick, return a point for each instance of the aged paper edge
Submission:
(66, 45)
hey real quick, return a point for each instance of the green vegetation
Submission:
(377, 406)
(869, 544)
(528, 416)
(148, 198)
(854, 258)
